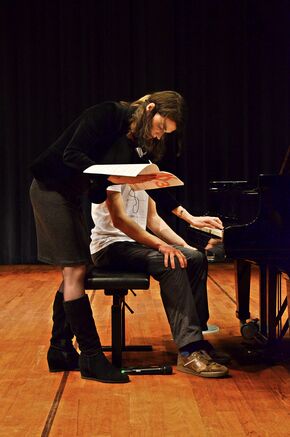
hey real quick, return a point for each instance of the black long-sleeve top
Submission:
(97, 136)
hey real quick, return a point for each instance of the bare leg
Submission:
(73, 278)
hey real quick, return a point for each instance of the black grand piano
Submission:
(265, 242)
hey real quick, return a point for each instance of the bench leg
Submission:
(118, 333)
(117, 330)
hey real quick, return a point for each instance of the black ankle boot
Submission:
(98, 368)
(93, 363)
(61, 355)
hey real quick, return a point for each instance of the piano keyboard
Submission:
(213, 233)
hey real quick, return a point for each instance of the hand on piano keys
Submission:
(210, 232)
(206, 232)
(204, 221)
(209, 226)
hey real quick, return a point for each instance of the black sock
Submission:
(208, 346)
(194, 346)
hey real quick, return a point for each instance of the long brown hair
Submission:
(168, 104)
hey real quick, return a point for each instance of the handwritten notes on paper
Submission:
(163, 179)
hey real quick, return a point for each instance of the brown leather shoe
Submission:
(199, 363)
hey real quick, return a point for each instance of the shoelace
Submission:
(202, 356)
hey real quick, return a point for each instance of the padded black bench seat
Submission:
(98, 279)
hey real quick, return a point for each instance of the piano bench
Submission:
(117, 284)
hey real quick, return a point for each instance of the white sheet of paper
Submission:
(122, 169)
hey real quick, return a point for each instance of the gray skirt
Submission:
(62, 234)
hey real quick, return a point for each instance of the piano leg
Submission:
(242, 283)
(263, 301)
(272, 284)
(265, 328)
(288, 298)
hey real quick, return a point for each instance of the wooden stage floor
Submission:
(253, 401)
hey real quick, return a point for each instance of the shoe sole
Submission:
(63, 370)
(203, 375)
(105, 381)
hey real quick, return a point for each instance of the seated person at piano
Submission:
(120, 239)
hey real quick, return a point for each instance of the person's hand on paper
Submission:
(131, 179)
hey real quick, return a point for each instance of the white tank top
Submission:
(104, 232)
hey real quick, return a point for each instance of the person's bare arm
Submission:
(128, 226)
(160, 228)
(199, 222)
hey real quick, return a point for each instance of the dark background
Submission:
(229, 59)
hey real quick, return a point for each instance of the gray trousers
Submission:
(183, 291)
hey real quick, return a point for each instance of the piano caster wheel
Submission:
(250, 330)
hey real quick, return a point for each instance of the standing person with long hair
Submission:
(107, 133)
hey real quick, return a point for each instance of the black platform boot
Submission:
(61, 355)
(93, 363)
